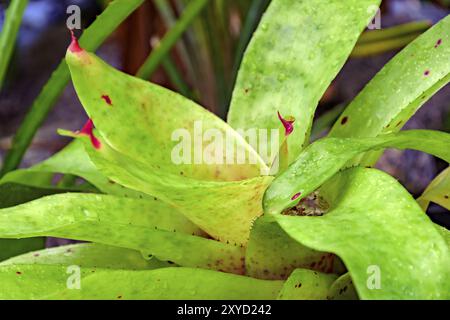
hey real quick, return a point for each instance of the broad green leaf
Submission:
(438, 191)
(297, 50)
(390, 247)
(158, 127)
(148, 226)
(272, 254)
(307, 285)
(224, 210)
(343, 289)
(50, 282)
(321, 160)
(87, 255)
(400, 88)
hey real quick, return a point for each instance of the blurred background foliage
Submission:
(193, 47)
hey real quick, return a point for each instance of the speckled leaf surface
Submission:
(49, 282)
(272, 254)
(400, 88)
(146, 121)
(139, 225)
(297, 50)
(88, 255)
(377, 229)
(321, 160)
(307, 285)
(438, 191)
(343, 289)
(224, 210)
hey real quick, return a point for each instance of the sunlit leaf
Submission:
(297, 50)
(400, 88)
(272, 254)
(50, 282)
(321, 160)
(390, 247)
(148, 226)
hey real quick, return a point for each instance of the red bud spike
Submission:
(288, 124)
(74, 45)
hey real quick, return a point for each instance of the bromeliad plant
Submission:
(327, 226)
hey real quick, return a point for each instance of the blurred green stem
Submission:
(172, 36)
(377, 47)
(8, 36)
(395, 32)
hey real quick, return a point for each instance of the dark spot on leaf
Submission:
(18, 273)
(296, 196)
(107, 99)
(438, 43)
(446, 196)
(399, 123)
(119, 297)
(426, 73)
(344, 120)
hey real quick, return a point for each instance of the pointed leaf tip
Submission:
(288, 124)
(74, 46)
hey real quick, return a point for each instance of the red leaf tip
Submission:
(74, 45)
(288, 124)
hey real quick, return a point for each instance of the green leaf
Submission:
(321, 160)
(438, 191)
(148, 226)
(400, 88)
(9, 32)
(225, 210)
(343, 289)
(272, 254)
(136, 117)
(88, 255)
(297, 50)
(115, 13)
(74, 160)
(377, 229)
(307, 285)
(50, 282)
